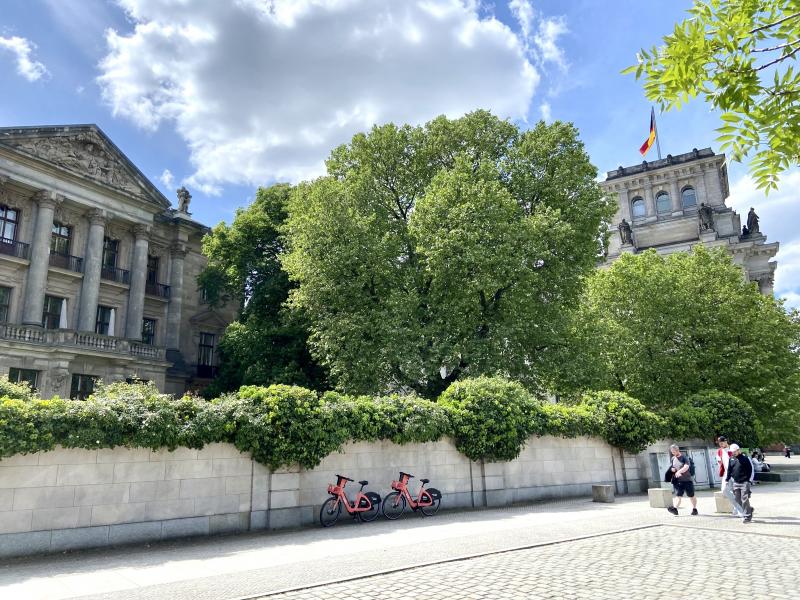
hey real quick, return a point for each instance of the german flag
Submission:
(648, 143)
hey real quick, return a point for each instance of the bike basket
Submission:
(396, 485)
(334, 489)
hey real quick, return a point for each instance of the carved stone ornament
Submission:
(57, 379)
(84, 153)
(66, 216)
(157, 250)
(115, 231)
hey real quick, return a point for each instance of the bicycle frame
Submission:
(338, 491)
(423, 497)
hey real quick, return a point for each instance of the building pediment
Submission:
(209, 318)
(85, 151)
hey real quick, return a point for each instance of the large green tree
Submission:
(431, 253)
(740, 56)
(267, 343)
(662, 328)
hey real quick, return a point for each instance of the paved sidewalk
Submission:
(256, 564)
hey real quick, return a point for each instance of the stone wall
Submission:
(69, 498)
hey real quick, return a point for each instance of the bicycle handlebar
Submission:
(340, 477)
(409, 475)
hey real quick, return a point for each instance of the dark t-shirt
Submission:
(677, 463)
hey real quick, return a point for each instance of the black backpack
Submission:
(688, 459)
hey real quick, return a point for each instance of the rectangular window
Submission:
(60, 239)
(28, 376)
(82, 386)
(205, 355)
(152, 269)
(9, 219)
(102, 323)
(149, 331)
(110, 253)
(5, 303)
(51, 315)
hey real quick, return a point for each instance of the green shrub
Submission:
(708, 414)
(623, 421)
(490, 416)
(15, 391)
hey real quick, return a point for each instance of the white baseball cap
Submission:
(734, 447)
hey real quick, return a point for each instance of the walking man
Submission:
(740, 471)
(681, 480)
(726, 487)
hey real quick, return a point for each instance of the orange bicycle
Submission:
(366, 506)
(428, 500)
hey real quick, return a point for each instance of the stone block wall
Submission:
(71, 498)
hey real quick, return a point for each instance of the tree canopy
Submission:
(662, 328)
(739, 55)
(431, 253)
(267, 344)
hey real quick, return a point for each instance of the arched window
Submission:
(637, 207)
(663, 203)
(688, 197)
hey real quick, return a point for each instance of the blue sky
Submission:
(223, 97)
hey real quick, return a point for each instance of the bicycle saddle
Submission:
(424, 480)
(363, 482)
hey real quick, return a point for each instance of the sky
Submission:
(224, 97)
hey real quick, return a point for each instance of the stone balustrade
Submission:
(80, 339)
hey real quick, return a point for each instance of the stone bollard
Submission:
(659, 497)
(723, 505)
(602, 493)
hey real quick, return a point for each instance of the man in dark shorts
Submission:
(681, 480)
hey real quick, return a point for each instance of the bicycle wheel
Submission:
(329, 512)
(432, 509)
(393, 505)
(374, 509)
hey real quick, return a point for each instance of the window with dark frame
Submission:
(103, 320)
(51, 314)
(152, 269)
(29, 376)
(688, 197)
(9, 220)
(637, 207)
(205, 355)
(663, 203)
(110, 253)
(60, 239)
(5, 303)
(82, 386)
(149, 331)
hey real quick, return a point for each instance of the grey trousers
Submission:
(741, 492)
(727, 491)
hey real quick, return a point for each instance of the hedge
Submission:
(488, 418)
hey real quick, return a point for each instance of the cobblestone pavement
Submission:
(260, 563)
(640, 562)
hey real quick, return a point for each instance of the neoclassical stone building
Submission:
(674, 203)
(97, 271)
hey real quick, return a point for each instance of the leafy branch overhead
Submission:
(739, 56)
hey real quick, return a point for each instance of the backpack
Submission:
(691, 464)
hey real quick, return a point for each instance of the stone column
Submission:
(675, 194)
(92, 265)
(625, 204)
(40, 258)
(177, 255)
(133, 324)
(700, 188)
(649, 201)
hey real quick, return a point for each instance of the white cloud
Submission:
(21, 48)
(547, 111)
(166, 178)
(778, 215)
(540, 41)
(264, 90)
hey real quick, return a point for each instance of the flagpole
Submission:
(655, 126)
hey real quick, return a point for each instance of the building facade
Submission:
(674, 203)
(97, 271)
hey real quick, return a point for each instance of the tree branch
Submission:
(768, 25)
(786, 45)
(777, 60)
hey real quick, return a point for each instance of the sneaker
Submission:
(747, 519)
(673, 510)
(694, 512)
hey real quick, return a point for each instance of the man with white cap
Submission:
(740, 472)
(723, 458)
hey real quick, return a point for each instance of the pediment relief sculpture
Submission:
(84, 153)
